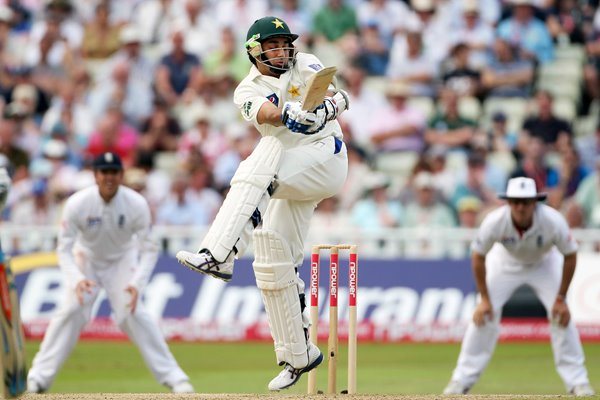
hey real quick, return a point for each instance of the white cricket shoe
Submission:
(182, 387)
(455, 387)
(583, 390)
(205, 263)
(290, 375)
(34, 386)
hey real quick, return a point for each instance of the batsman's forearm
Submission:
(568, 271)
(478, 266)
(269, 114)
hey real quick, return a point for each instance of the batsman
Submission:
(299, 161)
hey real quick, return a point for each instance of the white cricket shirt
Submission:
(549, 229)
(256, 89)
(107, 232)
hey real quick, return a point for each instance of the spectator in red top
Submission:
(114, 135)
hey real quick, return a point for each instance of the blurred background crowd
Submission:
(450, 98)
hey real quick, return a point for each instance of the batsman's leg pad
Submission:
(276, 279)
(246, 201)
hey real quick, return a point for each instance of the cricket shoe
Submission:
(290, 375)
(583, 390)
(455, 387)
(34, 386)
(205, 263)
(182, 387)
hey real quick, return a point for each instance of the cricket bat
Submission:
(316, 88)
(12, 352)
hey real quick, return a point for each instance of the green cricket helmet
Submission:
(266, 28)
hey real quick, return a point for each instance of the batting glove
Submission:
(301, 121)
(336, 104)
(4, 187)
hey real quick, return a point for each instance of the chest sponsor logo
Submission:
(94, 221)
(508, 241)
(273, 99)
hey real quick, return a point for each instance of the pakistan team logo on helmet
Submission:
(264, 29)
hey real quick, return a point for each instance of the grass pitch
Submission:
(400, 369)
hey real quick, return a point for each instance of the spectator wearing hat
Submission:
(527, 33)
(434, 20)
(100, 35)
(397, 126)
(475, 33)
(415, 67)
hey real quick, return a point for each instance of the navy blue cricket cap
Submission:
(108, 161)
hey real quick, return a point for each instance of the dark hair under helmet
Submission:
(263, 29)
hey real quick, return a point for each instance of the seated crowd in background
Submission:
(450, 98)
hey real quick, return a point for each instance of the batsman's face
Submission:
(108, 182)
(521, 211)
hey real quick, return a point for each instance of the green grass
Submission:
(113, 367)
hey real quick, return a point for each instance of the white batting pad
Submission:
(248, 192)
(276, 279)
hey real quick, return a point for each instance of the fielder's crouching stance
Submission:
(299, 161)
(522, 243)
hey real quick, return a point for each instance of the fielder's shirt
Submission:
(106, 233)
(549, 229)
(256, 89)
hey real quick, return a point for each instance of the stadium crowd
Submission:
(450, 98)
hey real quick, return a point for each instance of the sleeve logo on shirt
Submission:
(273, 99)
(540, 241)
(316, 67)
(247, 108)
(121, 221)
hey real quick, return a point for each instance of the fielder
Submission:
(522, 243)
(105, 242)
(300, 160)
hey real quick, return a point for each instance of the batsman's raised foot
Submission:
(290, 375)
(583, 390)
(205, 263)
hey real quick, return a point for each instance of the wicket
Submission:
(332, 345)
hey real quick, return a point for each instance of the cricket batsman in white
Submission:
(522, 243)
(299, 161)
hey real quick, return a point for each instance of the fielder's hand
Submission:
(132, 290)
(84, 287)
(4, 187)
(301, 121)
(483, 313)
(560, 312)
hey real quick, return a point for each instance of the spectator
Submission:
(203, 138)
(152, 18)
(565, 22)
(329, 223)
(469, 213)
(571, 174)
(226, 59)
(475, 184)
(298, 19)
(374, 52)
(18, 158)
(426, 213)
(533, 165)
(179, 74)
(458, 76)
(199, 24)
(591, 71)
(588, 147)
(475, 33)
(377, 210)
(555, 132)
(335, 21)
(160, 131)
(364, 101)
(415, 67)
(114, 135)
(180, 209)
(397, 126)
(448, 128)
(527, 33)
(499, 138)
(584, 210)
(507, 75)
(239, 14)
(100, 36)
(242, 139)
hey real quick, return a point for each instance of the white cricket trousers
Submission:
(544, 278)
(64, 328)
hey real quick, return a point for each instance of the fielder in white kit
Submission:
(299, 161)
(522, 243)
(105, 241)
